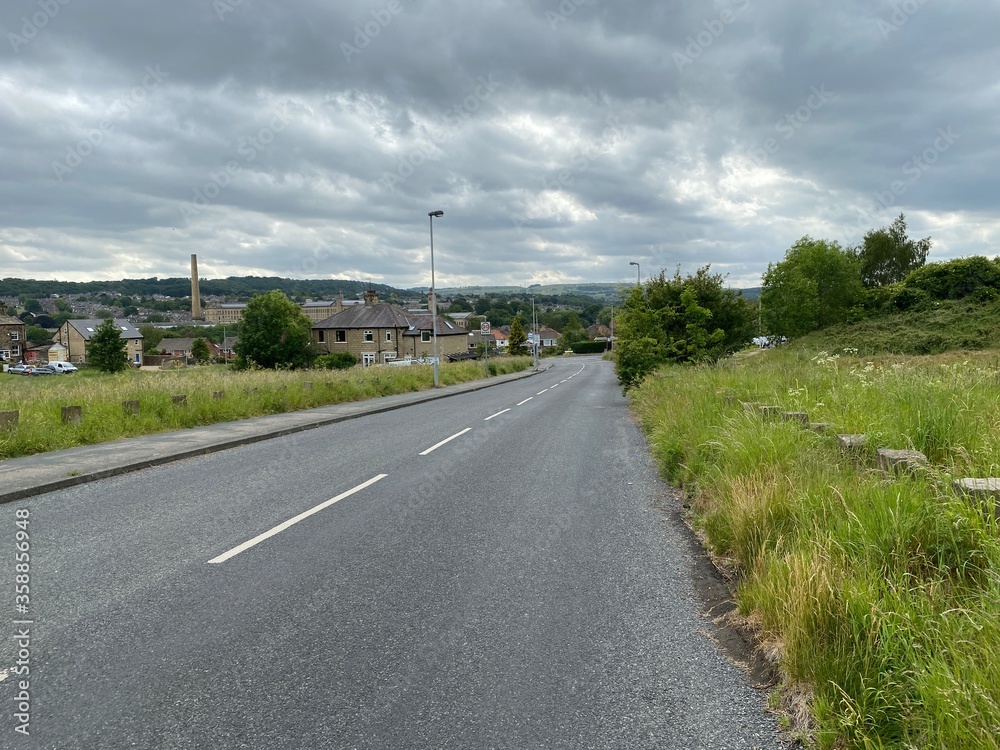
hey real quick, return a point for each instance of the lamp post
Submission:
(434, 307)
(638, 272)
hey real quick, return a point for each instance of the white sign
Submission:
(484, 328)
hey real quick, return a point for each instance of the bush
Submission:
(975, 276)
(589, 347)
(336, 361)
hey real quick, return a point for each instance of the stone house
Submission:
(376, 333)
(11, 338)
(181, 347)
(74, 335)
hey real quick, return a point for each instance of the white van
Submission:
(63, 368)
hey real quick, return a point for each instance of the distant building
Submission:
(11, 338)
(74, 335)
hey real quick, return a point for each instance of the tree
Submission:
(200, 351)
(274, 333)
(151, 337)
(107, 349)
(679, 320)
(37, 334)
(887, 255)
(517, 339)
(816, 285)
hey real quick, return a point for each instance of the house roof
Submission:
(8, 320)
(384, 315)
(180, 344)
(87, 327)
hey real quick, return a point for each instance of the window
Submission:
(388, 335)
(341, 337)
(369, 336)
(15, 351)
(322, 336)
(15, 335)
(367, 358)
(388, 356)
(425, 336)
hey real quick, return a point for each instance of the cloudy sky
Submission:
(562, 140)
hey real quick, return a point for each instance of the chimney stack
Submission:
(196, 313)
(371, 298)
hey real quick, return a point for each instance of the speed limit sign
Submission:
(484, 327)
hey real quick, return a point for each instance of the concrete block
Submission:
(795, 416)
(131, 406)
(900, 460)
(749, 406)
(9, 419)
(851, 443)
(769, 412)
(72, 414)
(218, 395)
(985, 490)
(307, 386)
(180, 399)
(820, 427)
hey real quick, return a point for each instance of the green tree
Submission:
(33, 305)
(37, 334)
(517, 339)
(887, 255)
(200, 351)
(817, 284)
(151, 337)
(106, 349)
(274, 333)
(679, 320)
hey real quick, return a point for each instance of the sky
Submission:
(563, 139)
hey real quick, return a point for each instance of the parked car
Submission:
(63, 368)
(17, 369)
(38, 370)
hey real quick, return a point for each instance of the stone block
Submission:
(131, 406)
(180, 399)
(769, 412)
(985, 490)
(900, 460)
(820, 427)
(795, 416)
(9, 419)
(72, 414)
(218, 395)
(851, 443)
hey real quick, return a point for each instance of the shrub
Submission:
(336, 361)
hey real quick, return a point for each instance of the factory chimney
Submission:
(196, 313)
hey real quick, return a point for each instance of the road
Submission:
(481, 571)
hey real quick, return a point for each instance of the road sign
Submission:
(484, 328)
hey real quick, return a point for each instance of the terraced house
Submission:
(376, 332)
(11, 338)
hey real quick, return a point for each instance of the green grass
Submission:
(880, 594)
(39, 400)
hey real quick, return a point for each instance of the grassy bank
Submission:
(878, 598)
(245, 394)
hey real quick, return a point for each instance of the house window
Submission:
(367, 358)
(425, 336)
(15, 350)
(322, 336)
(388, 356)
(369, 336)
(15, 335)
(341, 337)
(388, 335)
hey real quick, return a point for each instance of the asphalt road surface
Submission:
(482, 571)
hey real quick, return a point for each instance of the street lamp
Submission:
(638, 272)
(434, 307)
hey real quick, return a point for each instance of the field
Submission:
(877, 596)
(243, 394)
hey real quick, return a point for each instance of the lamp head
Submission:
(436, 214)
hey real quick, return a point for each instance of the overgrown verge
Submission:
(878, 594)
(212, 395)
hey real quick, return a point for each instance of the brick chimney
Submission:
(371, 298)
(196, 313)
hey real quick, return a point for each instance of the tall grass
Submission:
(880, 593)
(39, 400)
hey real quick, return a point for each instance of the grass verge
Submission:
(878, 595)
(213, 394)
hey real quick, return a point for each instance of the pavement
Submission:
(28, 476)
